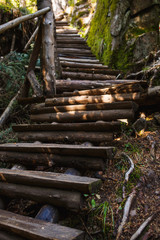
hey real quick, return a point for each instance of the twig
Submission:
(128, 172)
(143, 226)
(86, 229)
(153, 146)
(126, 212)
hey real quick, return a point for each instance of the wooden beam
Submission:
(34, 83)
(19, 20)
(48, 54)
(32, 229)
(61, 149)
(50, 180)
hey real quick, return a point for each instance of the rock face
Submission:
(130, 31)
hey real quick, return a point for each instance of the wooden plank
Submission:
(61, 149)
(68, 35)
(36, 229)
(48, 159)
(50, 180)
(87, 127)
(30, 100)
(80, 46)
(66, 137)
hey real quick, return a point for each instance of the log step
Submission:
(95, 61)
(30, 228)
(66, 136)
(87, 127)
(62, 23)
(84, 116)
(69, 86)
(40, 108)
(73, 64)
(79, 46)
(60, 149)
(67, 35)
(66, 31)
(50, 180)
(86, 76)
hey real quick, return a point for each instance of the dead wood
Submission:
(128, 172)
(31, 39)
(19, 20)
(34, 83)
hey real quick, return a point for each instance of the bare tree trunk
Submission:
(48, 44)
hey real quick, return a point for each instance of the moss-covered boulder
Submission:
(122, 32)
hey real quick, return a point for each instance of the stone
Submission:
(144, 45)
(133, 213)
(119, 200)
(140, 5)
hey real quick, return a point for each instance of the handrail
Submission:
(17, 21)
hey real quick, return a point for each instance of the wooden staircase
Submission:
(66, 131)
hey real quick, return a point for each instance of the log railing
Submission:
(45, 39)
(45, 42)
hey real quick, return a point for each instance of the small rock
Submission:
(157, 192)
(37, 142)
(133, 213)
(119, 200)
(151, 174)
(87, 144)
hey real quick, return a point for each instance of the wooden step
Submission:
(79, 46)
(30, 100)
(87, 127)
(74, 51)
(67, 35)
(41, 108)
(84, 116)
(60, 149)
(30, 159)
(77, 56)
(85, 99)
(91, 70)
(86, 76)
(50, 180)
(73, 64)
(32, 229)
(115, 88)
(95, 61)
(66, 136)
(70, 41)
(66, 31)
(62, 23)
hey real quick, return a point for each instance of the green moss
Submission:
(99, 37)
(80, 2)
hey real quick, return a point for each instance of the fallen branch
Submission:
(128, 172)
(31, 39)
(143, 226)
(126, 211)
(8, 110)
(153, 146)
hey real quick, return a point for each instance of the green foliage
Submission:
(8, 136)
(99, 37)
(12, 72)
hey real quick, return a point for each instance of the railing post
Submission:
(48, 46)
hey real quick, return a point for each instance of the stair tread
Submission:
(36, 229)
(51, 180)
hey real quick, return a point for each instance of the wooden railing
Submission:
(45, 41)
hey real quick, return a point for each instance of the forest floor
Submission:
(103, 211)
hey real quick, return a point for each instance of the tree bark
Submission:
(34, 83)
(48, 55)
(19, 20)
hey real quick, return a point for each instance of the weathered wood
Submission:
(107, 98)
(99, 126)
(50, 180)
(115, 88)
(44, 159)
(32, 63)
(83, 65)
(9, 236)
(48, 54)
(8, 110)
(71, 41)
(86, 76)
(84, 116)
(80, 46)
(19, 20)
(94, 61)
(34, 83)
(60, 149)
(31, 39)
(84, 107)
(62, 23)
(13, 42)
(75, 51)
(92, 70)
(32, 229)
(66, 31)
(30, 100)
(65, 136)
(68, 35)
